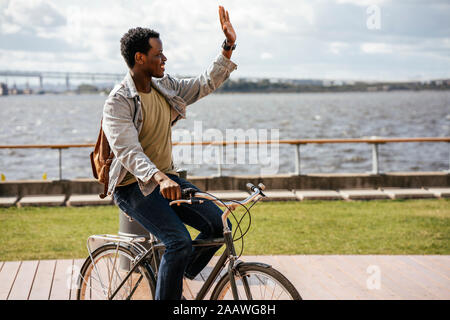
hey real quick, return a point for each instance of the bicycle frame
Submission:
(230, 251)
(157, 247)
(219, 266)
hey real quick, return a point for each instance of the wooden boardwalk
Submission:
(315, 277)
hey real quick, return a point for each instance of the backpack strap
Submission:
(111, 157)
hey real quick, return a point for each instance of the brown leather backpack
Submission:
(101, 159)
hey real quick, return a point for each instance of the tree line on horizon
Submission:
(268, 86)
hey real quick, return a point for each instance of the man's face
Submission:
(154, 61)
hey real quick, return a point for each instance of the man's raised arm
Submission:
(193, 89)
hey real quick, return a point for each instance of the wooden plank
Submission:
(192, 287)
(421, 286)
(425, 279)
(435, 277)
(355, 289)
(443, 261)
(61, 280)
(292, 271)
(331, 279)
(315, 279)
(7, 277)
(43, 280)
(357, 269)
(387, 285)
(394, 278)
(77, 264)
(24, 281)
(432, 265)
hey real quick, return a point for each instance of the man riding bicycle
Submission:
(137, 120)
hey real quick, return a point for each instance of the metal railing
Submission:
(375, 142)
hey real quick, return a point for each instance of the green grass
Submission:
(309, 227)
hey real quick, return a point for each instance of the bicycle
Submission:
(116, 270)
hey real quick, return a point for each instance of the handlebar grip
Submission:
(260, 187)
(251, 186)
(188, 193)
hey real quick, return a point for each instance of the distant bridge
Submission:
(62, 75)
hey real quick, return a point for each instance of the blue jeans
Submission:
(167, 224)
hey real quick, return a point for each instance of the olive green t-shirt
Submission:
(156, 133)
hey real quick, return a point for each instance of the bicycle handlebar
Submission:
(188, 195)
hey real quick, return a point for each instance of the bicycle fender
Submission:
(242, 263)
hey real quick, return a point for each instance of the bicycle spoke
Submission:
(257, 285)
(264, 294)
(98, 273)
(282, 291)
(108, 271)
(89, 285)
(274, 287)
(116, 270)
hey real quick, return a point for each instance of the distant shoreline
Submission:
(327, 91)
(221, 92)
(271, 86)
(294, 87)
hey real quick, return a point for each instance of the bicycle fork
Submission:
(232, 270)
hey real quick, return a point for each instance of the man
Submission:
(137, 120)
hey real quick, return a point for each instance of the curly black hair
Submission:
(136, 40)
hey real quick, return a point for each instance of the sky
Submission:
(323, 39)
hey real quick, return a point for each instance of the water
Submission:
(61, 119)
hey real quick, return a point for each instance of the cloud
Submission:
(32, 15)
(336, 47)
(266, 56)
(363, 3)
(373, 47)
(310, 39)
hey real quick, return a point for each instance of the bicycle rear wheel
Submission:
(255, 281)
(100, 276)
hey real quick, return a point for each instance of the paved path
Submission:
(314, 276)
(272, 195)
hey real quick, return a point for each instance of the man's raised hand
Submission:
(227, 27)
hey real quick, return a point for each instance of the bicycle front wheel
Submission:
(255, 281)
(101, 276)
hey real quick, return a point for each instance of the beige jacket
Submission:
(122, 118)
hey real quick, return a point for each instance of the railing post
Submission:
(60, 163)
(448, 157)
(375, 167)
(297, 159)
(219, 163)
